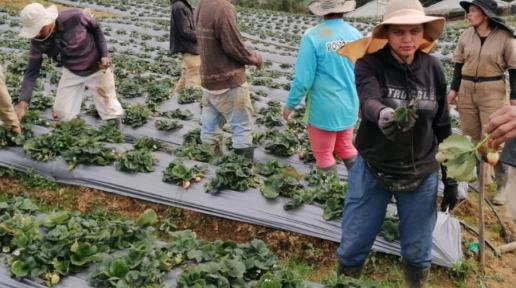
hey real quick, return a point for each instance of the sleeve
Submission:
(7, 113)
(512, 83)
(306, 65)
(368, 89)
(230, 39)
(458, 55)
(457, 76)
(31, 74)
(92, 26)
(442, 121)
(183, 18)
(510, 53)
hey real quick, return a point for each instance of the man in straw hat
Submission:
(75, 40)
(484, 52)
(397, 158)
(328, 82)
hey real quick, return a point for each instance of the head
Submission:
(476, 16)
(405, 40)
(37, 21)
(331, 9)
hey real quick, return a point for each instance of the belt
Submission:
(482, 79)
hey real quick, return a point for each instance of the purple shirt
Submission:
(77, 43)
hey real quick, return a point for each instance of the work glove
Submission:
(387, 124)
(450, 196)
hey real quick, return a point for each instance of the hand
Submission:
(105, 62)
(450, 197)
(258, 61)
(17, 130)
(20, 110)
(502, 126)
(386, 123)
(286, 113)
(452, 97)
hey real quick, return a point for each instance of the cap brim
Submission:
(33, 31)
(433, 26)
(465, 5)
(316, 9)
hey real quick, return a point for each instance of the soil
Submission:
(318, 254)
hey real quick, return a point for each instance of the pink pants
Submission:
(324, 143)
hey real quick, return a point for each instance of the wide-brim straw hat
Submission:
(409, 12)
(490, 9)
(34, 17)
(325, 7)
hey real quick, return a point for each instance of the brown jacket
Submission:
(491, 59)
(223, 54)
(7, 113)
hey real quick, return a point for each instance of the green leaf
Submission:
(118, 268)
(458, 154)
(56, 218)
(148, 218)
(19, 269)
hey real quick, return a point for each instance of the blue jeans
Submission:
(233, 106)
(364, 211)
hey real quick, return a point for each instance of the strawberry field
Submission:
(159, 158)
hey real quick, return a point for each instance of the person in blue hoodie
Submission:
(327, 81)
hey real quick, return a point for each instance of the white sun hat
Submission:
(34, 17)
(325, 7)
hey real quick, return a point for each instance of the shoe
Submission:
(246, 152)
(415, 277)
(351, 271)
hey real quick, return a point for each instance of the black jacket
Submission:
(383, 82)
(182, 28)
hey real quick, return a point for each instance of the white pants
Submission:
(70, 93)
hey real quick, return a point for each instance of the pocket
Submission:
(357, 178)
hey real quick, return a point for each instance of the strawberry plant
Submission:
(9, 138)
(137, 161)
(178, 114)
(406, 116)
(110, 133)
(283, 183)
(234, 172)
(180, 175)
(460, 155)
(196, 152)
(192, 137)
(168, 124)
(281, 278)
(270, 116)
(270, 167)
(282, 145)
(148, 143)
(189, 95)
(343, 281)
(88, 151)
(136, 115)
(390, 230)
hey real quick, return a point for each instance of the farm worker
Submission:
(328, 82)
(223, 59)
(485, 51)
(74, 40)
(397, 160)
(184, 41)
(7, 113)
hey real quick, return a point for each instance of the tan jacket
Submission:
(6, 106)
(497, 55)
(223, 54)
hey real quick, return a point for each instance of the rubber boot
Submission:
(331, 170)
(501, 180)
(216, 148)
(349, 162)
(415, 277)
(246, 152)
(118, 123)
(351, 271)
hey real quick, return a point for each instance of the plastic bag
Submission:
(447, 237)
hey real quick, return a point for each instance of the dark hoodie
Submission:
(383, 82)
(182, 28)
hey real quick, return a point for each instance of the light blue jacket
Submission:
(326, 78)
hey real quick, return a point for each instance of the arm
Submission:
(183, 18)
(31, 74)
(457, 77)
(93, 27)
(368, 89)
(512, 85)
(304, 73)
(230, 39)
(7, 113)
(442, 121)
